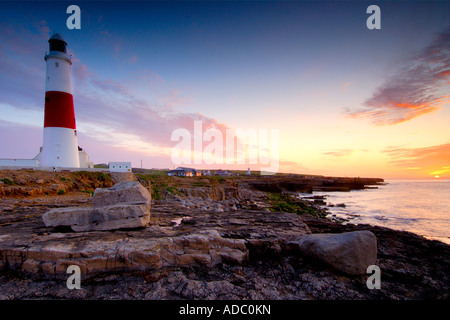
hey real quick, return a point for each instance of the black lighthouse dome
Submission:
(57, 43)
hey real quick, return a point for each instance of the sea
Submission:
(418, 206)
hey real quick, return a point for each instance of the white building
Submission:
(82, 155)
(184, 172)
(119, 166)
(84, 160)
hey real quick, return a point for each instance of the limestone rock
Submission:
(122, 176)
(129, 215)
(122, 192)
(114, 252)
(349, 252)
(124, 205)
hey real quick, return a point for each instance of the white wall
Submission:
(23, 163)
(119, 166)
(84, 160)
(60, 148)
(58, 76)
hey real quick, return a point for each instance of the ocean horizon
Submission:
(418, 206)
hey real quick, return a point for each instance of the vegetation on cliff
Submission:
(290, 203)
(30, 183)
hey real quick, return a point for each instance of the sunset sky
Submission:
(346, 100)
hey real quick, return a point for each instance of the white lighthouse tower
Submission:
(60, 147)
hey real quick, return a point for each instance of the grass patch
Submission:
(173, 190)
(159, 184)
(156, 193)
(99, 176)
(61, 192)
(88, 191)
(101, 165)
(89, 180)
(218, 179)
(288, 203)
(7, 181)
(159, 172)
(199, 184)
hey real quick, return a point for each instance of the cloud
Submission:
(109, 86)
(428, 160)
(339, 153)
(133, 118)
(292, 167)
(113, 108)
(29, 138)
(131, 60)
(413, 90)
(43, 29)
(344, 86)
(22, 70)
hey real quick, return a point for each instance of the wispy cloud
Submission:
(44, 29)
(414, 89)
(131, 60)
(116, 108)
(292, 166)
(30, 140)
(429, 160)
(339, 153)
(21, 70)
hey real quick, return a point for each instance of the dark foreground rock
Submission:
(189, 253)
(349, 252)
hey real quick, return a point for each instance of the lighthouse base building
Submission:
(83, 159)
(35, 163)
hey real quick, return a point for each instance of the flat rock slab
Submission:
(117, 216)
(51, 255)
(348, 252)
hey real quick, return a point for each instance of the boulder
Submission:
(349, 252)
(122, 192)
(117, 216)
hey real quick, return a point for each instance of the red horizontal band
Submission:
(59, 111)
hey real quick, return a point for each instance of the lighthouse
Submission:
(60, 145)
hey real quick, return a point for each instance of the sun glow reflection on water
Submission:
(419, 206)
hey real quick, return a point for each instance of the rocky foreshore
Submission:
(210, 242)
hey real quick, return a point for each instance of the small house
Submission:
(119, 166)
(184, 172)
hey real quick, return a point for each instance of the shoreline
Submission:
(233, 246)
(373, 207)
